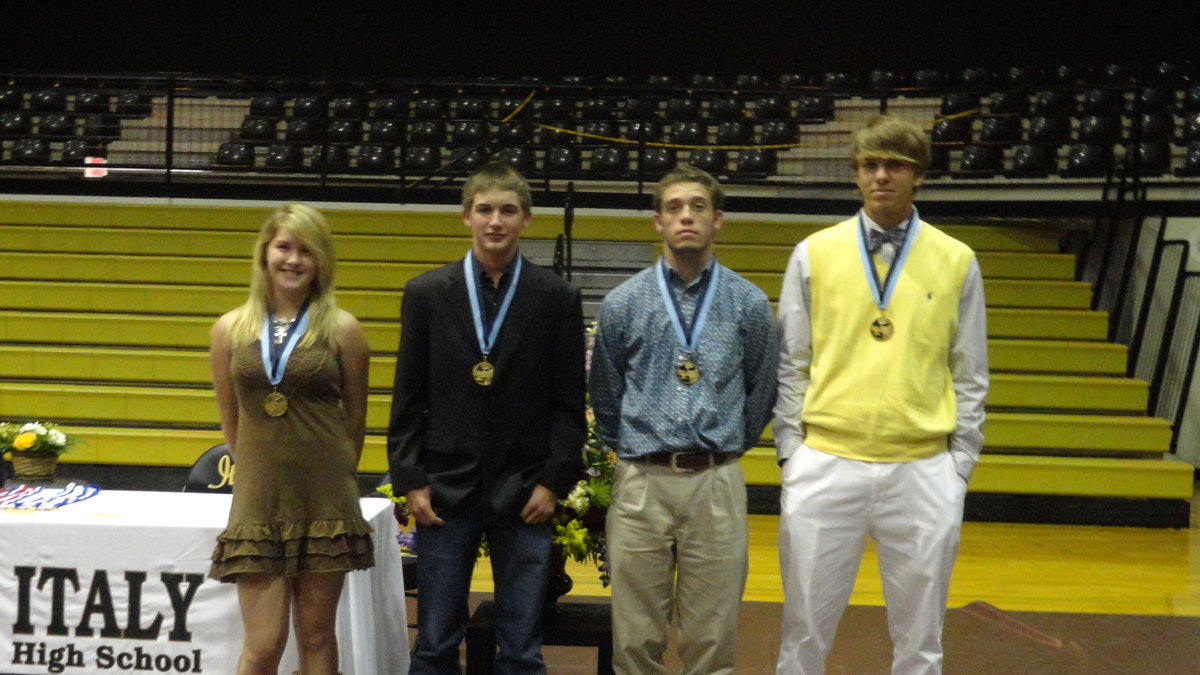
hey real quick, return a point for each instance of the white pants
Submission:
(676, 543)
(830, 505)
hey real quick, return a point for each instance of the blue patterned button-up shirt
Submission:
(640, 405)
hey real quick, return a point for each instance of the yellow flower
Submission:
(24, 441)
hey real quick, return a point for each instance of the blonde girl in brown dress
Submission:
(290, 377)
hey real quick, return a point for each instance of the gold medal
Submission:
(483, 373)
(687, 371)
(276, 404)
(882, 329)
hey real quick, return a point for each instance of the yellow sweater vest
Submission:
(887, 401)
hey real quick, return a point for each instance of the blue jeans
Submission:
(520, 557)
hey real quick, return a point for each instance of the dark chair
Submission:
(330, 158)
(980, 161)
(838, 80)
(655, 162)
(1191, 127)
(660, 80)
(284, 156)
(1003, 130)
(649, 130)
(384, 131)
(778, 132)
(266, 106)
(598, 109)
(747, 82)
(952, 130)
(257, 129)
(641, 107)
(1118, 73)
(234, 154)
(734, 132)
(48, 100)
(602, 128)
(470, 109)
(1034, 161)
(704, 81)
(939, 161)
(1153, 126)
(468, 132)
(975, 78)
(1008, 103)
(792, 80)
(344, 131)
(31, 151)
(680, 108)
(11, 99)
(1067, 74)
(1191, 98)
(421, 159)
(883, 80)
(1049, 130)
(92, 102)
(466, 160)
(520, 159)
(14, 124)
(1099, 128)
(688, 133)
(376, 158)
(608, 160)
(770, 108)
(815, 108)
(1019, 76)
(134, 104)
(387, 108)
(56, 124)
(556, 109)
(725, 108)
(553, 136)
(1191, 160)
(710, 160)
(927, 78)
(562, 161)
(1152, 158)
(101, 127)
(347, 107)
(1099, 101)
(1088, 160)
(76, 150)
(1154, 98)
(302, 129)
(427, 132)
(1054, 103)
(958, 102)
(309, 107)
(212, 472)
(515, 132)
(758, 161)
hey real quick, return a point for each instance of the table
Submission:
(574, 624)
(119, 583)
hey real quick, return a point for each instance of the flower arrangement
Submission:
(579, 518)
(33, 438)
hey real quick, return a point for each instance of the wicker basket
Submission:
(34, 466)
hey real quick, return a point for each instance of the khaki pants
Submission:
(676, 542)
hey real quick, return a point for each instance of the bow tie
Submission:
(877, 238)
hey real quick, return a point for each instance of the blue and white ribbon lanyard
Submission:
(686, 368)
(484, 372)
(276, 403)
(36, 498)
(882, 327)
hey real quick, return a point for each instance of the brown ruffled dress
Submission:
(295, 497)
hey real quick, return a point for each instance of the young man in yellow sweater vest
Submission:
(882, 381)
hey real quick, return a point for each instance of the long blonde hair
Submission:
(310, 228)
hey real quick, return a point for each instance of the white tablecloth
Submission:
(118, 583)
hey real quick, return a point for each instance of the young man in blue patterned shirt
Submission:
(682, 383)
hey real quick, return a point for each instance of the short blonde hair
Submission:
(497, 176)
(310, 228)
(889, 137)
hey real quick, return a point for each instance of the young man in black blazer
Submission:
(487, 425)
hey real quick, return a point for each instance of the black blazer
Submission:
(497, 442)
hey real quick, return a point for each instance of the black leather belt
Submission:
(686, 461)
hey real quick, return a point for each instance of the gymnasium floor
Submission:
(1023, 598)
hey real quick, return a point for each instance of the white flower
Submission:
(578, 500)
(56, 438)
(35, 427)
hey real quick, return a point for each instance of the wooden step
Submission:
(1043, 324)
(186, 270)
(92, 296)
(1079, 435)
(1057, 356)
(136, 366)
(175, 447)
(1063, 393)
(118, 404)
(1029, 474)
(993, 264)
